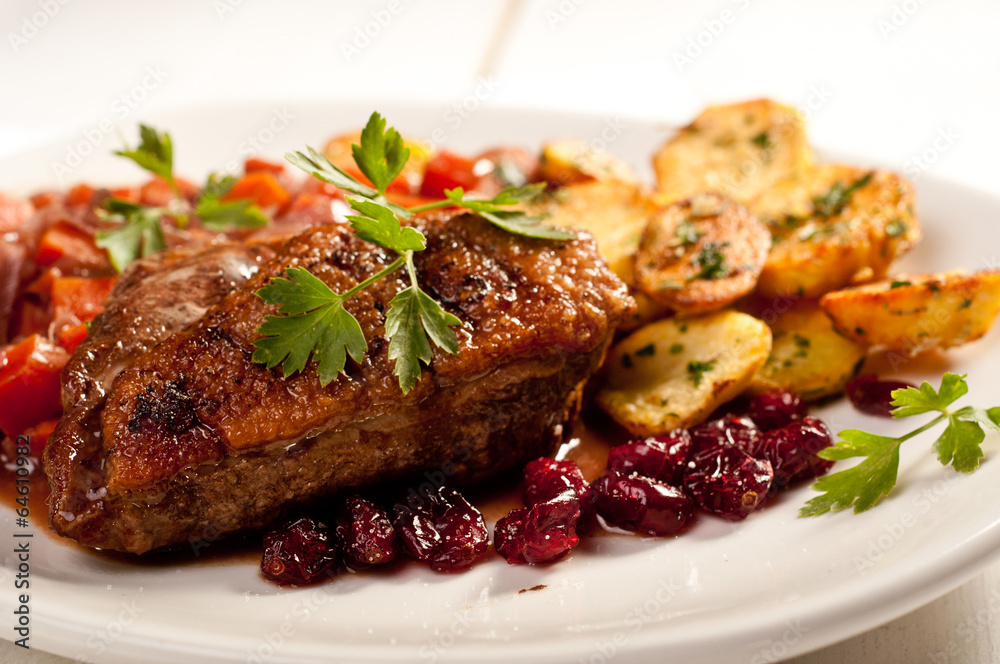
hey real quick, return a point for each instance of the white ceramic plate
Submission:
(758, 591)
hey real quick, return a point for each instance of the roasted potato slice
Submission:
(833, 226)
(614, 212)
(701, 254)
(735, 149)
(807, 357)
(674, 373)
(570, 161)
(338, 151)
(914, 313)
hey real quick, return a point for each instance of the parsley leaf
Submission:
(219, 215)
(913, 401)
(380, 226)
(512, 221)
(382, 154)
(412, 317)
(139, 235)
(320, 167)
(864, 485)
(155, 154)
(316, 324)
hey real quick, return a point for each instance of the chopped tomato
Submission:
(70, 337)
(64, 239)
(130, 194)
(261, 187)
(29, 383)
(81, 194)
(44, 199)
(447, 170)
(13, 212)
(81, 297)
(157, 192)
(254, 164)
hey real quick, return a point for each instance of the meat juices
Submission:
(172, 434)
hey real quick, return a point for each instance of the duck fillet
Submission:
(173, 435)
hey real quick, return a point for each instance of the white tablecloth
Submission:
(912, 83)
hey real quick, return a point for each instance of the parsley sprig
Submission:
(864, 485)
(140, 227)
(312, 320)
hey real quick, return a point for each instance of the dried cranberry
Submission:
(728, 431)
(366, 533)
(773, 410)
(792, 451)
(660, 457)
(548, 479)
(298, 552)
(417, 531)
(462, 537)
(539, 534)
(873, 396)
(642, 504)
(727, 481)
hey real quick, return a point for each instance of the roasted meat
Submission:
(172, 434)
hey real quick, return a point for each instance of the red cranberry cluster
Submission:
(727, 467)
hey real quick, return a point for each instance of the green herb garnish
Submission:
(140, 230)
(696, 370)
(687, 233)
(834, 201)
(710, 261)
(864, 485)
(312, 320)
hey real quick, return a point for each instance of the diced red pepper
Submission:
(72, 336)
(261, 187)
(13, 212)
(81, 297)
(44, 199)
(29, 383)
(254, 164)
(447, 170)
(81, 194)
(130, 194)
(64, 239)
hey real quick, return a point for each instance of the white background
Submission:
(912, 84)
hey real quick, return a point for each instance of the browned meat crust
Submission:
(192, 438)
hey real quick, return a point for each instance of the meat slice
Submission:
(192, 439)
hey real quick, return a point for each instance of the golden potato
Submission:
(701, 254)
(807, 357)
(571, 161)
(338, 151)
(833, 226)
(614, 212)
(913, 313)
(735, 149)
(674, 373)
